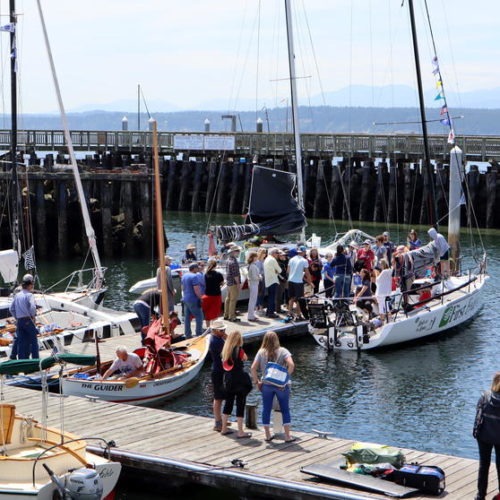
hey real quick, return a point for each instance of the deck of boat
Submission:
(185, 447)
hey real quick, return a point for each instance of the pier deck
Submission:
(183, 446)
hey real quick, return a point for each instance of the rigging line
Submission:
(315, 59)
(144, 101)
(331, 208)
(437, 71)
(259, 15)
(419, 122)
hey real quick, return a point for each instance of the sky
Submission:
(231, 54)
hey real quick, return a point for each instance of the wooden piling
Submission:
(197, 186)
(185, 187)
(491, 195)
(62, 219)
(126, 201)
(41, 220)
(106, 212)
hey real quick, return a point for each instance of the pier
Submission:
(363, 178)
(176, 446)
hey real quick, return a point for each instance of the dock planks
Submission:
(185, 446)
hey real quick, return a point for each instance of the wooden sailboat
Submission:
(451, 299)
(167, 371)
(41, 462)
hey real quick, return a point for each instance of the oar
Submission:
(131, 382)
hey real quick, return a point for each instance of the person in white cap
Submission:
(23, 309)
(298, 269)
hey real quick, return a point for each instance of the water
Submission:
(419, 396)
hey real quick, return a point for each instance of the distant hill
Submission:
(315, 119)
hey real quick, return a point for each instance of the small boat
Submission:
(167, 372)
(41, 462)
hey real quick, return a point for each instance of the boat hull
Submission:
(434, 318)
(147, 391)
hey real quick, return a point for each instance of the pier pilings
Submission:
(118, 189)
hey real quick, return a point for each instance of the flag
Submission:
(435, 71)
(451, 137)
(439, 84)
(445, 121)
(29, 259)
(462, 199)
(444, 110)
(11, 28)
(439, 96)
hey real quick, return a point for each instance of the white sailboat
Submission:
(450, 300)
(41, 462)
(75, 313)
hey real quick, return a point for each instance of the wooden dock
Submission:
(185, 447)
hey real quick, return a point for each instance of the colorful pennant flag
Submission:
(439, 96)
(446, 121)
(451, 137)
(444, 109)
(11, 28)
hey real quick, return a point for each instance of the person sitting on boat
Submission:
(126, 364)
(189, 254)
(444, 251)
(413, 240)
(363, 296)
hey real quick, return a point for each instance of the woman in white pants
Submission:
(253, 278)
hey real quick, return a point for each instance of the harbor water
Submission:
(418, 396)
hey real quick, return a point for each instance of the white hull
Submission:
(148, 390)
(435, 317)
(29, 445)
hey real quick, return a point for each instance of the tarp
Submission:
(16, 366)
(273, 209)
(423, 258)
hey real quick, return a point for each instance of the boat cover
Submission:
(17, 366)
(9, 265)
(273, 208)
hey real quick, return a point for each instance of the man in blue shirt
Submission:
(191, 297)
(23, 309)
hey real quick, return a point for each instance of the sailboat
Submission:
(168, 371)
(41, 462)
(76, 312)
(433, 304)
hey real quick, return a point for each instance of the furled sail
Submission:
(273, 208)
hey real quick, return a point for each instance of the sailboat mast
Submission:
(427, 157)
(294, 106)
(89, 230)
(160, 239)
(16, 198)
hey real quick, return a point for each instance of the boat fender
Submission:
(360, 334)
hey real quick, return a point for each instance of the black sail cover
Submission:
(273, 208)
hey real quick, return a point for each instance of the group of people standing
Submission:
(232, 384)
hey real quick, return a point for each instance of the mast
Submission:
(160, 241)
(427, 167)
(16, 198)
(294, 106)
(89, 230)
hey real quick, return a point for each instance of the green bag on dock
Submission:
(372, 453)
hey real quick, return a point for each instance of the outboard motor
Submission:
(84, 484)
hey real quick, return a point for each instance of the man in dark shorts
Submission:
(298, 270)
(217, 337)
